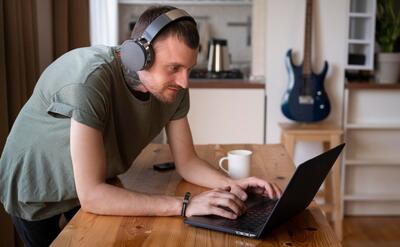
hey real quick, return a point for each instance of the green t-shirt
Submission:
(36, 177)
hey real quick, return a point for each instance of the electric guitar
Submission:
(305, 99)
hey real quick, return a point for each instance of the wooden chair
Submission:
(330, 136)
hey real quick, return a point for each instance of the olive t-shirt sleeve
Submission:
(183, 107)
(82, 103)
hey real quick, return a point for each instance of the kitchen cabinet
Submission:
(371, 165)
(231, 113)
(194, 2)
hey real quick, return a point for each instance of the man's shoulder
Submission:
(82, 67)
(98, 52)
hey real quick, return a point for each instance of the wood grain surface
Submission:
(271, 162)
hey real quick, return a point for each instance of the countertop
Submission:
(225, 83)
(372, 85)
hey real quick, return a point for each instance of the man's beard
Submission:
(161, 97)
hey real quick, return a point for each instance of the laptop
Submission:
(263, 214)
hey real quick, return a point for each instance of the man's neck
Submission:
(134, 84)
(131, 79)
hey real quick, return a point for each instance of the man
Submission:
(88, 119)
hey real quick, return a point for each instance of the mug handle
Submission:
(221, 165)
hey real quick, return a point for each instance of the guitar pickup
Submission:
(306, 100)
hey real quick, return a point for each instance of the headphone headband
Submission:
(161, 21)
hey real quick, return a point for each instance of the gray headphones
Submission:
(138, 54)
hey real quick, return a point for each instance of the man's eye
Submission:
(173, 68)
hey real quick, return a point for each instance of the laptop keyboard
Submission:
(258, 210)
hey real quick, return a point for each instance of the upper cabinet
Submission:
(361, 34)
(176, 2)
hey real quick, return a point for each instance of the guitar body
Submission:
(305, 99)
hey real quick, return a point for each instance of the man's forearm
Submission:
(200, 172)
(106, 199)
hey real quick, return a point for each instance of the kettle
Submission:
(218, 55)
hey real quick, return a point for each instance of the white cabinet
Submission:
(371, 167)
(227, 115)
(361, 35)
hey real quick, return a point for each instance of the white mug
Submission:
(238, 163)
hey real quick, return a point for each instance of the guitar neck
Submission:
(308, 39)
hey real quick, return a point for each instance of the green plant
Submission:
(387, 25)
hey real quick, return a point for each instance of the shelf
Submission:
(358, 67)
(371, 85)
(373, 126)
(373, 162)
(376, 197)
(362, 6)
(361, 33)
(360, 41)
(361, 15)
(371, 123)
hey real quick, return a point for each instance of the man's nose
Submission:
(182, 79)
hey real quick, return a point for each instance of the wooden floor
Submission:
(371, 232)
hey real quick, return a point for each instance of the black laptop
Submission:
(263, 213)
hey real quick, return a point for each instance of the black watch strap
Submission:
(185, 203)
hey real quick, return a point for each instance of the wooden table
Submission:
(310, 228)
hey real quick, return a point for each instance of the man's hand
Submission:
(256, 185)
(219, 202)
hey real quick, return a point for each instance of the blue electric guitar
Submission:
(305, 99)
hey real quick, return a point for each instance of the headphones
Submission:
(138, 54)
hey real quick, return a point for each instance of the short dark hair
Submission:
(184, 29)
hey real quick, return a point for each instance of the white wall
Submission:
(285, 29)
(216, 117)
(258, 42)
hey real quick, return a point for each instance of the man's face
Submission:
(170, 70)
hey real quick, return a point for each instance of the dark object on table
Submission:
(164, 166)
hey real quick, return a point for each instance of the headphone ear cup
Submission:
(133, 55)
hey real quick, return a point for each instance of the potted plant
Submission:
(387, 33)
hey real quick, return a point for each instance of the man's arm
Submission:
(198, 171)
(188, 164)
(96, 196)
